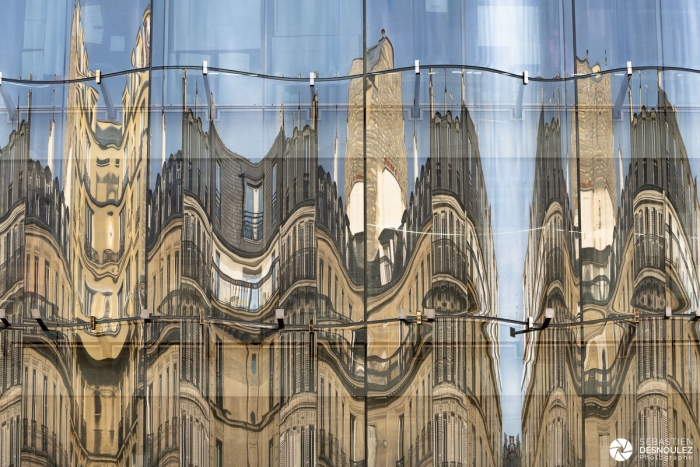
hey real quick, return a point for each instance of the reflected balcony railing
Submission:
(336, 454)
(386, 269)
(110, 256)
(253, 225)
(325, 311)
(44, 438)
(597, 382)
(274, 206)
(601, 383)
(90, 252)
(243, 295)
(351, 357)
(194, 264)
(301, 265)
(48, 310)
(174, 432)
(596, 289)
(554, 265)
(448, 258)
(384, 373)
(12, 270)
(649, 252)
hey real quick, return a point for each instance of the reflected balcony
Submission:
(456, 268)
(194, 264)
(649, 252)
(109, 256)
(451, 260)
(90, 252)
(300, 265)
(554, 266)
(334, 349)
(12, 270)
(384, 373)
(326, 312)
(238, 294)
(48, 310)
(253, 225)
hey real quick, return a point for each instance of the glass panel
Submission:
(607, 34)
(56, 40)
(534, 35)
(678, 27)
(269, 37)
(455, 267)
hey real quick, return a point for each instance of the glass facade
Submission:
(349, 234)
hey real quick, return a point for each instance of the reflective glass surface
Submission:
(267, 236)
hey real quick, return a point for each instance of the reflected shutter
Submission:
(662, 348)
(465, 443)
(297, 367)
(306, 342)
(550, 443)
(17, 355)
(305, 448)
(283, 447)
(6, 356)
(440, 437)
(664, 424)
(453, 439)
(441, 350)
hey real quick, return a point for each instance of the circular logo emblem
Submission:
(620, 449)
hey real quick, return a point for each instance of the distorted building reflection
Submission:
(208, 244)
(550, 280)
(142, 275)
(630, 365)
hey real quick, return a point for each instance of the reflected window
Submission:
(219, 371)
(270, 453)
(274, 191)
(88, 228)
(217, 192)
(45, 403)
(253, 215)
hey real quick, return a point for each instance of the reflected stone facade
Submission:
(209, 259)
(633, 366)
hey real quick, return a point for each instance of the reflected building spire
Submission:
(595, 192)
(598, 198)
(386, 167)
(282, 118)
